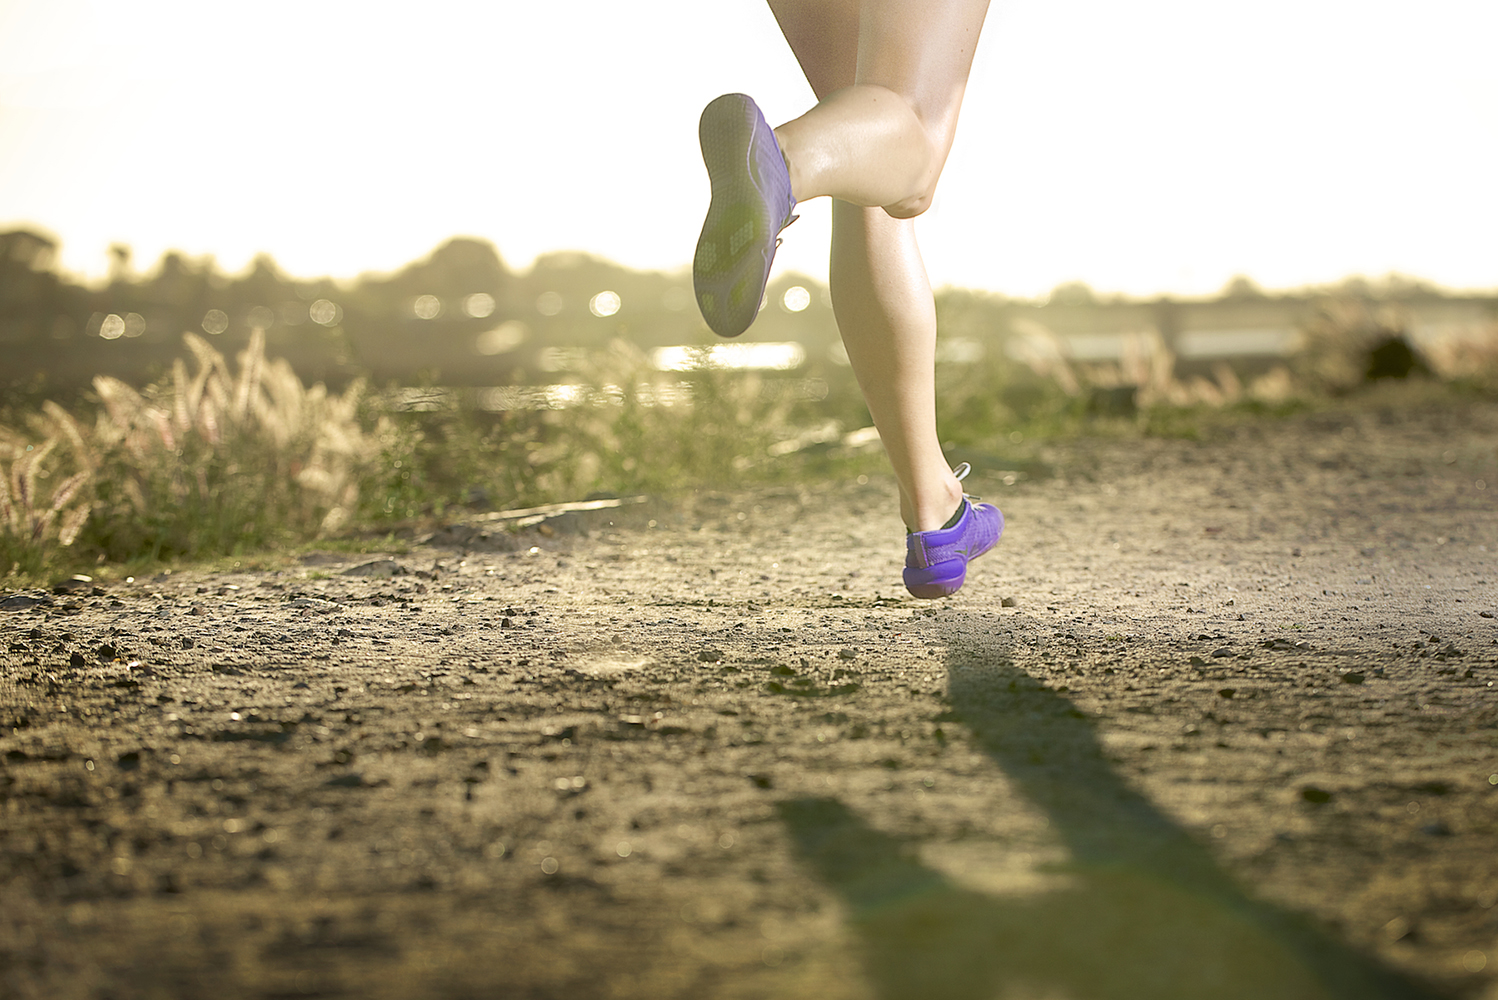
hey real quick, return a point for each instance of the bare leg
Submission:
(828, 149)
(884, 309)
(889, 75)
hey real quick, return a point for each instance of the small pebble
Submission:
(22, 602)
(316, 605)
(377, 568)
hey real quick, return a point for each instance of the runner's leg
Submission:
(887, 318)
(887, 102)
(889, 75)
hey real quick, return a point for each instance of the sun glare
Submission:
(763, 357)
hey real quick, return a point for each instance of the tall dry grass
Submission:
(211, 460)
(220, 458)
(36, 515)
(214, 460)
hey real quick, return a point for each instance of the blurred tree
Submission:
(119, 263)
(421, 318)
(28, 250)
(1241, 287)
(1073, 293)
(462, 266)
(262, 285)
(1403, 286)
(39, 312)
(174, 298)
(29, 291)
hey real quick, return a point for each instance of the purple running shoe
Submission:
(936, 561)
(751, 204)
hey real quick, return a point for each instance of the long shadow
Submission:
(1144, 911)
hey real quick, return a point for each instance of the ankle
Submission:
(933, 510)
(785, 139)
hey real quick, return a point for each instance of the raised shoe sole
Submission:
(732, 262)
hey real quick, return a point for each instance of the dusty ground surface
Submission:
(1232, 737)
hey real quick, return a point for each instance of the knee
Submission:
(923, 185)
(920, 200)
(909, 208)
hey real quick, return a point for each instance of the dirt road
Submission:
(1232, 732)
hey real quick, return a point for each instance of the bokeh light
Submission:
(325, 313)
(260, 318)
(605, 303)
(113, 327)
(427, 307)
(135, 324)
(505, 337)
(215, 322)
(548, 303)
(479, 305)
(795, 299)
(560, 397)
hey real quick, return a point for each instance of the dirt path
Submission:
(1233, 738)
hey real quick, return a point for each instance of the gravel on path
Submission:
(1217, 719)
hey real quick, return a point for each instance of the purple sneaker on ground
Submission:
(936, 561)
(751, 204)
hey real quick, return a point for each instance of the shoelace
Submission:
(782, 228)
(961, 473)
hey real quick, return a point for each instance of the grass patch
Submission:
(243, 466)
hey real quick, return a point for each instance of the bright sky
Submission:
(1145, 147)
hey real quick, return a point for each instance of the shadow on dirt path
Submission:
(1141, 910)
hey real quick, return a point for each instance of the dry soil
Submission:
(1216, 719)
